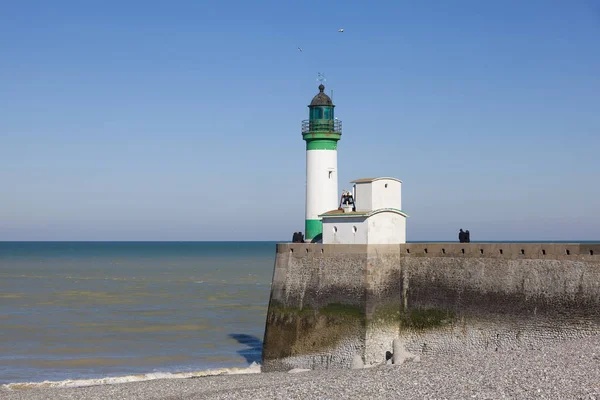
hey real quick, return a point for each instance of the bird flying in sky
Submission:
(299, 48)
(340, 30)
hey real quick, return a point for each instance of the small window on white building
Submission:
(386, 185)
(354, 229)
(330, 172)
(334, 229)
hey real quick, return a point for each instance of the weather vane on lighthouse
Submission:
(321, 78)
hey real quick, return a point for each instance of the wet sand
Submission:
(563, 370)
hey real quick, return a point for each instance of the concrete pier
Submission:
(339, 306)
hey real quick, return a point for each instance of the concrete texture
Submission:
(316, 305)
(333, 303)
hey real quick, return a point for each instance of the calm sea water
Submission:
(83, 310)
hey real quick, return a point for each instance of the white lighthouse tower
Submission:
(321, 133)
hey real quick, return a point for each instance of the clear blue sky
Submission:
(180, 120)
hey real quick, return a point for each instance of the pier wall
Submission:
(338, 306)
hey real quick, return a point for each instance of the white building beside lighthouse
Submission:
(321, 133)
(375, 218)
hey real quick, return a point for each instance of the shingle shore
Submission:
(564, 370)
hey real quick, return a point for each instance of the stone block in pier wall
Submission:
(333, 303)
(315, 317)
(328, 303)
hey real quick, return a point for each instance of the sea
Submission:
(79, 313)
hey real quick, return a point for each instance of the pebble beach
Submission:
(566, 370)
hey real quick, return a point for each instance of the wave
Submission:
(253, 368)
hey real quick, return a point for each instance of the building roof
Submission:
(366, 214)
(367, 180)
(321, 99)
(336, 213)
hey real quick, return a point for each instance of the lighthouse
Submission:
(321, 132)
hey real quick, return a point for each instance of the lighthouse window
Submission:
(327, 113)
(316, 113)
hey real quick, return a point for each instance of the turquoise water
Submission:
(83, 310)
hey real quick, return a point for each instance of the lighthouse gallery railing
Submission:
(334, 126)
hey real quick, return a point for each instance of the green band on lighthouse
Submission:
(321, 145)
(312, 228)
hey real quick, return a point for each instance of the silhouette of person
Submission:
(298, 237)
(467, 236)
(461, 236)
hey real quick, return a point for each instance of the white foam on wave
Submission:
(253, 368)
